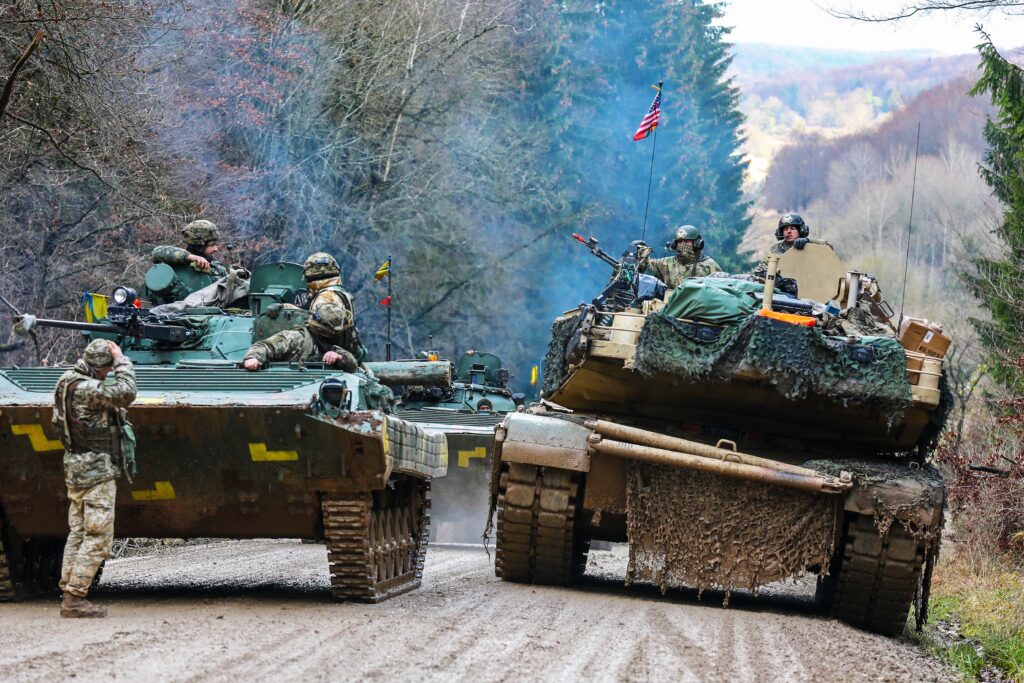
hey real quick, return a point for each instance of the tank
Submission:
(734, 436)
(466, 412)
(293, 451)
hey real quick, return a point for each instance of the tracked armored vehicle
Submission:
(292, 451)
(466, 413)
(734, 436)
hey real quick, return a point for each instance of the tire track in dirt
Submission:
(262, 610)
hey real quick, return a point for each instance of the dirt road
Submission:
(259, 610)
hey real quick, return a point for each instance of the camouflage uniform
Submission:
(200, 233)
(88, 413)
(176, 256)
(323, 280)
(672, 270)
(308, 343)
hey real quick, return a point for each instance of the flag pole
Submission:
(387, 347)
(650, 176)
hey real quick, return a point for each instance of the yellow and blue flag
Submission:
(94, 306)
(385, 268)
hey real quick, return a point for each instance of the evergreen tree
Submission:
(591, 83)
(999, 282)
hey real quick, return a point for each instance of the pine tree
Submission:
(999, 282)
(591, 83)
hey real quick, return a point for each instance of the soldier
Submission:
(323, 279)
(202, 243)
(792, 232)
(317, 340)
(88, 412)
(689, 260)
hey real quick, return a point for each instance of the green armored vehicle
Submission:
(733, 436)
(292, 451)
(466, 412)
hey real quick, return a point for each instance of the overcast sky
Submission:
(806, 23)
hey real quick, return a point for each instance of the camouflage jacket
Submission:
(780, 248)
(176, 256)
(96, 404)
(296, 346)
(329, 291)
(672, 270)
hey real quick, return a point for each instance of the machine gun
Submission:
(629, 285)
(124, 320)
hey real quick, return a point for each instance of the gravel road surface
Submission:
(261, 610)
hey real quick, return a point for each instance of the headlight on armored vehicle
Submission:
(124, 296)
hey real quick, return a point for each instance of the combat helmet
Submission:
(687, 232)
(328, 320)
(319, 266)
(792, 219)
(97, 354)
(200, 233)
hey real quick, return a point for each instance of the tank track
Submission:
(537, 539)
(28, 568)
(377, 541)
(873, 580)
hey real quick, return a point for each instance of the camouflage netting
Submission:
(869, 473)
(799, 361)
(702, 530)
(555, 366)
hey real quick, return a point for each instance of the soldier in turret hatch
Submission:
(202, 242)
(689, 260)
(792, 233)
(318, 340)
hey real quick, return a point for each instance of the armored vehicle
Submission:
(467, 413)
(733, 436)
(292, 451)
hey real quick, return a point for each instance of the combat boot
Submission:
(74, 607)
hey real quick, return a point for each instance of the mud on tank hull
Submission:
(223, 453)
(559, 481)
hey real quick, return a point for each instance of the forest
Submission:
(467, 141)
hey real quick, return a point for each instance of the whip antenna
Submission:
(654, 145)
(910, 225)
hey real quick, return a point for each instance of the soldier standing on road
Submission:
(689, 260)
(791, 233)
(318, 340)
(89, 410)
(202, 242)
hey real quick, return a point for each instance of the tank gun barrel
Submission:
(128, 326)
(641, 444)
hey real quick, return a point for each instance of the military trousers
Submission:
(91, 519)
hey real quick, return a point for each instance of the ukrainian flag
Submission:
(94, 306)
(385, 268)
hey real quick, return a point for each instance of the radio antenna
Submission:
(910, 226)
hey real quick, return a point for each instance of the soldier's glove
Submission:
(801, 242)
(274, 310)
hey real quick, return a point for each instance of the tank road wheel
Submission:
(537, 541)
(377, 541)
(28, 567)
(872, 580)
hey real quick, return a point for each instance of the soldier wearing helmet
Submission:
(202, 242)
(319, 339)
(689, 261)
(90, 413)
(792, 232)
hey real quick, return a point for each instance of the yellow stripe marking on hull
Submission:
(466, 456)
(162, 490)
(37, 438)
(259, 453)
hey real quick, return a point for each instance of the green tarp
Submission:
(714, 300)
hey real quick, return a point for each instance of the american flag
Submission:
(650, 121)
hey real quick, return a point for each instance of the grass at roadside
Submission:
(976, 619)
